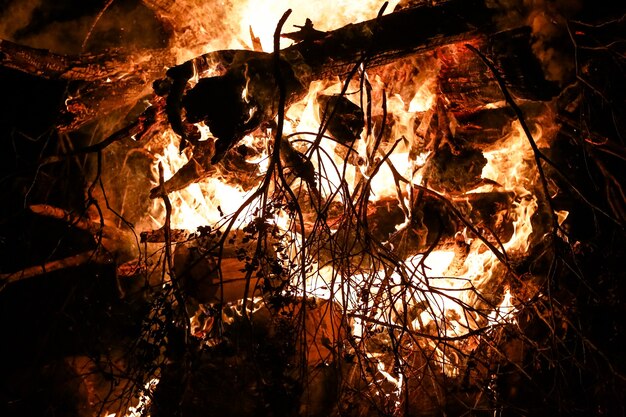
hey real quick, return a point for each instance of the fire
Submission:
(198, 204)
(144, 400)
(262, 16)
(450, 293)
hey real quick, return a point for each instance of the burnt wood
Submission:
(115, 78)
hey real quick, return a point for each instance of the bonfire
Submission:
(346, 209)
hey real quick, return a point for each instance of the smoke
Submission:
(63, 26)
(32, 23)
(16, 17)
(548, 21)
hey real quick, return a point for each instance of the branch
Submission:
(96, 256)
(120, 244)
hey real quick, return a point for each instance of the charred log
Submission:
(456, 172)
(467, 86)
(199, 168)
(247, 92)
(433, 226)
(212, 272)
(346, 119)
(483, 126)
(113, 64)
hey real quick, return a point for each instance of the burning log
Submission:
(115, 80)
(94, 256)
(455, 166)
(346, 122)
(199, 167)
(103, 82)
(456, 172)
(237, 102)
(120, 243)
(158, 236)
(468, 87)
(113, 64)
(194, 170)
(201, 277)
(432, 225)
(485, 125)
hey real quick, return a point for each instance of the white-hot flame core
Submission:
(263, 15)
(199, 204)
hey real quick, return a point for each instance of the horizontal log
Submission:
(120, 244)
(383, 40)
(466, 84)
(396, 35)
(432, 222)
(114, 246)
(245, 96)
(234, 166)
(111, 64)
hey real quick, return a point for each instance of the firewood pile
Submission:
(391, 216)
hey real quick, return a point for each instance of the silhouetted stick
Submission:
(94, 256)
